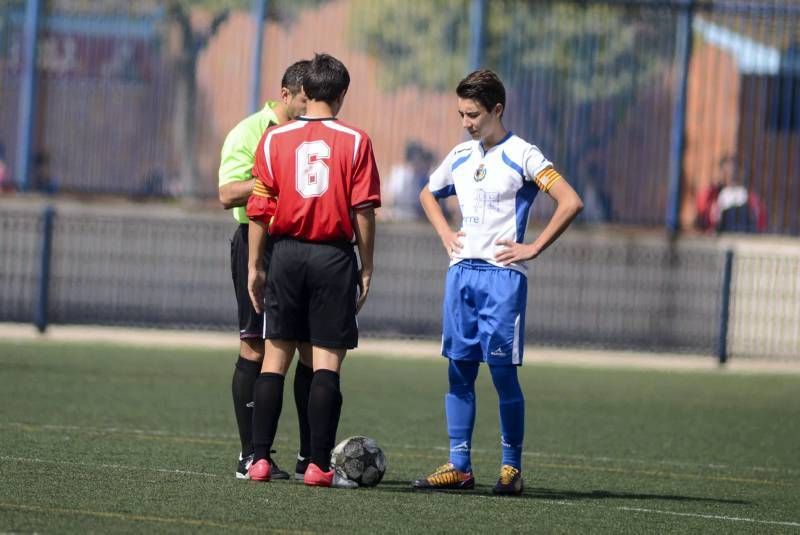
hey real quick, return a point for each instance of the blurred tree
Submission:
(7, 8)
(192, 41)
(417, 43)
(591, 49)
(564, 59)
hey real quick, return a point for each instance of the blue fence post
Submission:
(477, 30)
(27, 95)
(683, 53)
(44, 269)
(259, 12)
(724, 309)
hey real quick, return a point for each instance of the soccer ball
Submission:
(360, 459)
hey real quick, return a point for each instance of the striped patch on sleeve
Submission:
(261, 190)
(546, 178)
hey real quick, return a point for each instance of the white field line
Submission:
(534, 454)
(711, 517)
(724, 518)
(35, 460)
(117, 430)
(553, 502)
(221, 528)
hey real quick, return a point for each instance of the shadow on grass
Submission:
(553, 494)
(563, 495)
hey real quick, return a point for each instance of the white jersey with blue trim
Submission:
(495, 190)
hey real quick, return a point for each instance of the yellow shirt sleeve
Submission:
(238, 150)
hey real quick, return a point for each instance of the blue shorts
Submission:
(484, 313)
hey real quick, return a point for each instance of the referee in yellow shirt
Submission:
(235, 186)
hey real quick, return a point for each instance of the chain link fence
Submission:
(135, 98)
(591, 289)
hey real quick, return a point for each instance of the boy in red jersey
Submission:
(316, 192)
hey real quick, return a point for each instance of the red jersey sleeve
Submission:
(366, 190)
(262, 202)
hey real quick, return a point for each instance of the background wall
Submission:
(636, 290)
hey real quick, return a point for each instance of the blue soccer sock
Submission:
(459, 404)
(512, 413)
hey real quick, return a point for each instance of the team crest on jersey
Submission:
(480, 173)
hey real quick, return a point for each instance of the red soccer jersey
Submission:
(319, 170)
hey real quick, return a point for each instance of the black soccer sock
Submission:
(324, 408)
(244, 377)
(302, 387)
(268, 397)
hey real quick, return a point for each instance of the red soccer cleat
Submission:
(260, 470)
(315, 477)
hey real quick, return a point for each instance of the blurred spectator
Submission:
(6, 184)
(736, 209)
(706, 197)
(596, 203)
(154, 185)
(704, 200)
(42, 179)
(405, 182)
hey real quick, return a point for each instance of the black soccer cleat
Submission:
(509, 483)
(446, 477)
(301, 467)
(242, 469)
(276, 473)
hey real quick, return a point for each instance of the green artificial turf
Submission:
(103, 438)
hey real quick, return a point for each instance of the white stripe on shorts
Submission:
(515, 359)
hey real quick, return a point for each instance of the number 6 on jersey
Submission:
(312, 177)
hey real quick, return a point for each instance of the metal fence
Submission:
(766, 303)
(97, 101)
(20, 270)
(636, 101)
(591, 289)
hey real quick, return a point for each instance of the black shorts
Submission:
(311, 293)
(251, 323)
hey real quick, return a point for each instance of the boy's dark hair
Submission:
(483, 86)
(294, 75)
(736, 171)
(728, 159)
(326, 78)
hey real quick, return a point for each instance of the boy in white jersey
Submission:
(495, 177)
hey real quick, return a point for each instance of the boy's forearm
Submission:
(562, 217)
(256, 239)
(236, 193)
(433, 212)
(365, 237)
